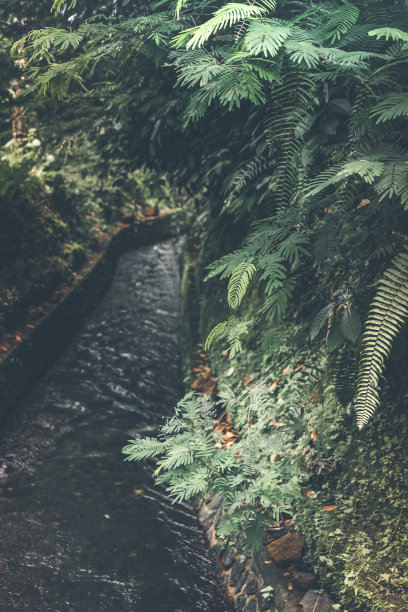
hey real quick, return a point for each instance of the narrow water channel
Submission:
(80, 529)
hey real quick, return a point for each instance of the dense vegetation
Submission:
(288, 124)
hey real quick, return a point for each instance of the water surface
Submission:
(80, 529)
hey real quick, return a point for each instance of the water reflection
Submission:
(80, 529)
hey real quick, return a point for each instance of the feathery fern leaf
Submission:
(394, 105)
(226, 16)
(388, 313)
(239, 282)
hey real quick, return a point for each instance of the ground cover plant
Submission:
(288, 123)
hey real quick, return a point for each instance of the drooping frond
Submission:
(239, 282)
(394, 105)
(266, 37)
(387, 33)
(226, 16)
(388, 313)
(293, 104)
(340, 21)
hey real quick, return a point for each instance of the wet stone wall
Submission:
(274, 579)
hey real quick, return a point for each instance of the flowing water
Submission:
(80, 529)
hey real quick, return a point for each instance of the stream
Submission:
(80, 528)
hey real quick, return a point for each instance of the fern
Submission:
(266, 37)
(226, 16)
(388, 313)
(387, 33)
(239, 282)
(232, 330)
(394, 105)
(340, 21)
(293, 103)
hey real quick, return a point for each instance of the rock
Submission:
(236, 573)
(304, 580)
(242, 581)
(251, 606)
(215, 502)
(251, 587)
(205, 517)
(229, 558)
(264, 603)
(214, 552)
(287, 549)
(224, 581)
(316, 602)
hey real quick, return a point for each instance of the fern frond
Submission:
(142, 448)
(387, 33)
(226, 265)
(340, 21)
(293, 104)
(226, 16)
(388, 313)
(394, 105)
(216, 332)
(320, 319)
(274, 306)
(239, 282)
(266, 37)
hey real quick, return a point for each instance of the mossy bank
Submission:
(352, 507)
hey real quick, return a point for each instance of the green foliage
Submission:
(232, 330)
(294, 121)
(239, 282)
(192, 460)
(388, 314)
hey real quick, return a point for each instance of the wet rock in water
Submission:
(229, 559)
(214, 552)
(236, 573)
(215, 502)
(251, 587)
(264, 603)
(251, 606)
(287, 549)
(304, 580)
(205, 518)
(317, 602)
(242, 581)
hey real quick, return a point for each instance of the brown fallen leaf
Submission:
(364, 202)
